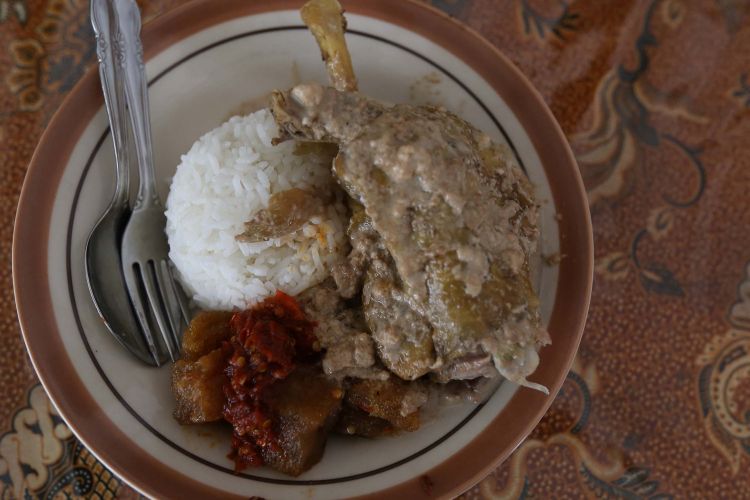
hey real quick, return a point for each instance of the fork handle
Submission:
(136, 91)
(107, 52)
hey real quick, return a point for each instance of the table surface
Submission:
(654, 97)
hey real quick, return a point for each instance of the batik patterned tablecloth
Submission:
(654, 97)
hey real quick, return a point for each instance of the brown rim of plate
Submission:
(459, 471)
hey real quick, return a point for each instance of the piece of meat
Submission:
(402, 335)
(349, 273)
(342, 333)
(326, 22)
(354, 351)
(206, 332)
(354, 422)
(454, 211)
(305, 406)
(287, 211)
(320, 302)
(392, 400)
(197, 388)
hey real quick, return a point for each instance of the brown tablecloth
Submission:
(654, 97)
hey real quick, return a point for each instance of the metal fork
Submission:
(158, 303)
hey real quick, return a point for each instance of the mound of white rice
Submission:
(226, 177)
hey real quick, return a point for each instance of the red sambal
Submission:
(267, 341)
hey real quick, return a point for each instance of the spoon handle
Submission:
(107, 52)
(136, 91)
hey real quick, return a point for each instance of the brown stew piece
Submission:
(354, 422)
(197, 388)
(393, 400)
(206, 332)
(287, 212)
(305, 406)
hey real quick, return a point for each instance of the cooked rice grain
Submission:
(229, 174)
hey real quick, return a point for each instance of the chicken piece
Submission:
(349, 273)
(455, 213)
(354, 422)
(342, 333)
(403, 336)
(198, 388)
(305, 406)
(354, 356)
(326, 22)
(392, 400)
(206, 332)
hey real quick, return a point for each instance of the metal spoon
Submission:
(103, 270)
